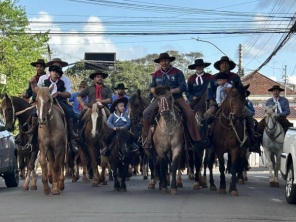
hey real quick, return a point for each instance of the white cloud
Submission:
(292, 79)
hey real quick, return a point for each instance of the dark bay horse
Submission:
(15, 108)
(229, 134)
(52, 138)
(95, 129)
(168, 137)
(120, 158)
(137, 104)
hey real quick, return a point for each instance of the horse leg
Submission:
(116, 186)
(191, 164)
(240, 168)
(43, 163)
(234, 165)
(205, 165)
(222, 188)
(145, 166)
(61, 175)
(198, 154)
(94, 166)
(123, 174)
(179, 179)
(174, 165)
(22, 165)
(152, 181)
(104, 166)
(211, 159)
(33, 167)
(276, 170)
(163, 174)
(270, 166)
(84, 166)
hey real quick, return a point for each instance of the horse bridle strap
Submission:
(22, 111)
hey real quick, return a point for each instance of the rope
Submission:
(22, 111)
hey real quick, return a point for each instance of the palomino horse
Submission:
(15, 108)
(95, 128)
(137, 104)
(272, 141)
(120, 158)
(168, 137)
(52, 138)
(229, 134)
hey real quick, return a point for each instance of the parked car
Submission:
(288, 165)
(8, 158)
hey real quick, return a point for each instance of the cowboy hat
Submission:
(225, 59)
(64, 64)
(276, 87)
(164, 55)
(98, 72)
(56, 69)
(199, 62)
(39, 61)
(222, 75)
(120, 100)
(83, 84)
(120, 86)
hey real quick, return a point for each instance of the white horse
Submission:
(273, 139)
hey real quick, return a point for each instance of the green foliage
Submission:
(18, 48)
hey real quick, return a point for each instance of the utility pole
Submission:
(240, 61)
(285, 78)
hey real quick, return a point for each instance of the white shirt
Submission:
(67, 82)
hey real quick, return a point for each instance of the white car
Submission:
(288, 165)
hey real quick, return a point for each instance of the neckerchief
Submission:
(55, 88)
(199, 77)
(120, 117)
(98, 91)
(279, 108)
(165, 76)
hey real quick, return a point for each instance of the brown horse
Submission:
(94, 130)
(137, 104)
(168, 137)
(15, 108)
(52, 138)
(229, 134)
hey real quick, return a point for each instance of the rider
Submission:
(225, 65)
(61, 94)
(120, 93)
(282, 109)
(169, 75)
(221, 92)
(117, 120)
(98, 92)
(73, 99)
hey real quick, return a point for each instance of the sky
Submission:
(208, 18)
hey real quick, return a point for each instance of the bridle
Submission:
(270, 131)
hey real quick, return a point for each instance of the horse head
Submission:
(121, 141)
(44, 105)
(8, 112)
(165, 102)
(98, 117)
(233, 106)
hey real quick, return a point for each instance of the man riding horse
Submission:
(282, 109)
(169, 75)
(225, 65)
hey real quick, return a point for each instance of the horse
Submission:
(229, 135)
(168, 137)
(52, 139)
(272, 142)
(95, 127)
(15, 108)
(137, 104)
(120, 158)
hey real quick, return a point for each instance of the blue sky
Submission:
(97, 17)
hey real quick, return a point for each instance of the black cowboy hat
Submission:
(225, 59)
(98, 72)
(164, 55)
(222, 75)
(55, 68)
(276, 87)
(120, 86)
(39, 61)
(120, 100)
(199, 62)
(64, 64)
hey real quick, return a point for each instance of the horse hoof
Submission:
(105, 183)
(234, 193)
(33, 187)
(151, 186)
(196, 186)
(61, 187)
(46, 191)
(174, 191)
(25, 188)
(56, 192)
(163, 190)
(222, 191)
(145, 178)
(180, 185)
(191, 176)
(213, 188)
(272, 184)
(94, 185)
(123, 190)
(241, 181)
(116, 189)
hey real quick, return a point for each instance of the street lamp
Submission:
(199, 40)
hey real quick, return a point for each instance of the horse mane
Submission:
(161, 90)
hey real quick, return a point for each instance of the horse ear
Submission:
(139, 93)
(6, 96)
(247, 86)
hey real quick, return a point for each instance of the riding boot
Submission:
(146, 134)
(34, 125)
(71, 131)
(255, 136)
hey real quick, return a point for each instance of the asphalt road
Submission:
(81, 202)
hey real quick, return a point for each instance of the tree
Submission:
(18, 48)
